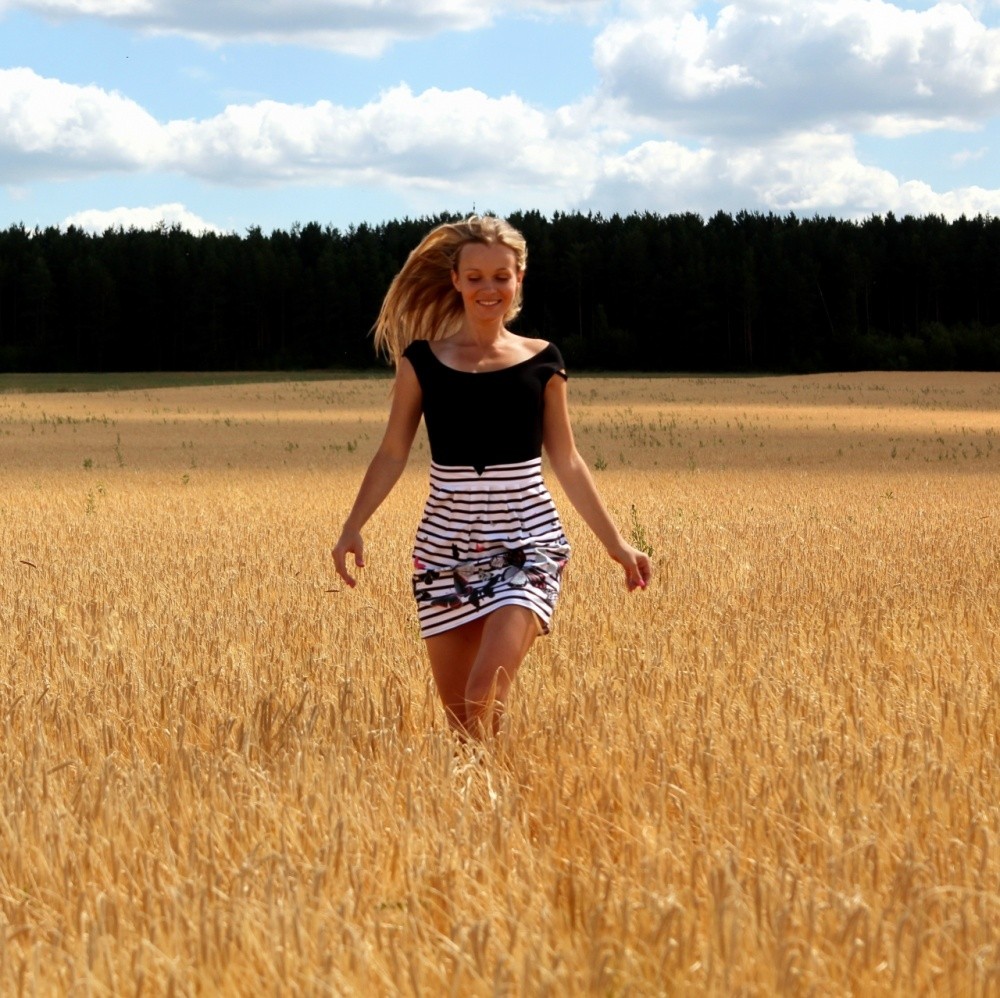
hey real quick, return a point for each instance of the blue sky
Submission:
(228, 115)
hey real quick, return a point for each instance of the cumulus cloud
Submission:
(766, 66)
(168, 215)
(444, 140)
(358, 27)
(660, 173)
(63, 130)
(809, 173)
(436, 138)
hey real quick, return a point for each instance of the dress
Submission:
(489, 535)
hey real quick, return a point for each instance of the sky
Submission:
(224, 115)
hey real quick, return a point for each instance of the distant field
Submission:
(137, 380)
(775, 771)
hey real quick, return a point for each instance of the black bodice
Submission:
(487, 417)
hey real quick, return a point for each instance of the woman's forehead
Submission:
(483, 256)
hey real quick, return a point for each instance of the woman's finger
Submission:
(638, 572)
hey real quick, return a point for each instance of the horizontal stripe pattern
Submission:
(486, 539)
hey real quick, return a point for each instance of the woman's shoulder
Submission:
(546, 350)
(541, 349)
(533, 344)
(544, 361)
(416, 348)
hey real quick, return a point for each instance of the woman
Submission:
(490, 548)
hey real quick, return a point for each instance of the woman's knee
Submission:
(488, 684)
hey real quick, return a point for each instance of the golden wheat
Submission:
(776, 771)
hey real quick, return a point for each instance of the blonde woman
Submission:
(490, 549)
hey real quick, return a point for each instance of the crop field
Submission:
(776, 771)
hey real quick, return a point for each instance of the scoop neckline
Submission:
(493, 370)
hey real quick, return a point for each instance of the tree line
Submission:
(644, 292)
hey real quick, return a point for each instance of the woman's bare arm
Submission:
(578, 484)
(384, 470)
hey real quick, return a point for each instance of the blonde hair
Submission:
(422, 303)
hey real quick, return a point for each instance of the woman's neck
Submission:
(485, 336)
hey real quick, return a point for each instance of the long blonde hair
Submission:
(422, 303)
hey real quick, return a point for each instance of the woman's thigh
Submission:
(507, 636)
(452, 656)
(481, 652)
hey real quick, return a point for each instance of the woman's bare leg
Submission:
(475, 664)
(452, 655)
(507, 636)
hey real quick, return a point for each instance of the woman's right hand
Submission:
(350, 542)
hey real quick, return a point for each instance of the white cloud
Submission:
(764, 66)
(899, 126)
(65, 129)
(812, 172)
(656, 172)
(646, 9)
(85, 8)
(678, 56)
(917, 198)
(964, 156)
(169, 215)
(359, 27)
(807, 173)
(436, 139)
(444, 140)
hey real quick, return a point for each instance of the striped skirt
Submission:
(487, 540)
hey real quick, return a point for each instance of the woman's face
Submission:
(487, 278)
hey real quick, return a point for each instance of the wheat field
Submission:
(773, 772)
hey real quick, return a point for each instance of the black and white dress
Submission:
(490, 535)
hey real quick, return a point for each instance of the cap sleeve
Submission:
(552, 363)
(417, 353)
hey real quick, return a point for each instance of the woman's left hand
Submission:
(638, 568)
